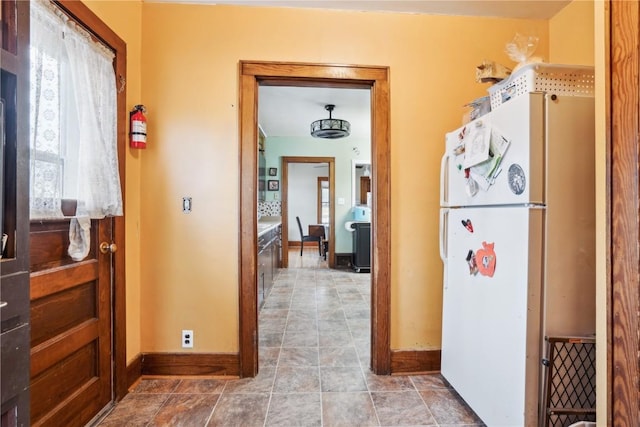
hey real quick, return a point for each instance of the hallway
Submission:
(314, 368)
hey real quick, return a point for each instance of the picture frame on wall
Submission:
(273, 185)
(273, 171)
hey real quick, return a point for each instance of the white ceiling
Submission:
(528, 9)
(287, 111)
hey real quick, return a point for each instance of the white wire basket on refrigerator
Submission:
(569, 80)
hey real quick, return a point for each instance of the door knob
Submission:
(108, 247)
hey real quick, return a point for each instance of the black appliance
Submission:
(361, 257)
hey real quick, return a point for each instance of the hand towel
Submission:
(79, 238)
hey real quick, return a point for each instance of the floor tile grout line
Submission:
(275, 374)
(215, 405)
(319, 370)
(362, 369)
(423, 401)
(167, 395)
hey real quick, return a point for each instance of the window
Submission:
(73, 129)
(323, 200)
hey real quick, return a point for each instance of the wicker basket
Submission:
(571, 80)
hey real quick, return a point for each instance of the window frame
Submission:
(320, 203)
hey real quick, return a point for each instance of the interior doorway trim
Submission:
(622, 95)
(286, 161)
(374, 78)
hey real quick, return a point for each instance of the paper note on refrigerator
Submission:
(485, 173)
(476, 145)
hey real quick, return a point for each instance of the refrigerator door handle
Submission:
(444, 225)
(444, 179)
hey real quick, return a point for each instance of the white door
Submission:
(518, 127)
(491, 310)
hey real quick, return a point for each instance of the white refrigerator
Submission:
(517, 240)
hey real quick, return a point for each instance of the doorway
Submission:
(253, 74)
(286, 162)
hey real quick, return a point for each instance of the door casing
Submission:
(253, 74)
(622, 263)
(285, 204)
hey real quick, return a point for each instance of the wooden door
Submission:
(71, 327)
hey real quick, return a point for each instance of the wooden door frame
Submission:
(81, 13)
(623, 221)
(284, 167)
(376, 79)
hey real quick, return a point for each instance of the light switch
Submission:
(341, 200)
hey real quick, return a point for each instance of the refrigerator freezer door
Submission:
(520, 179)
(491, 336)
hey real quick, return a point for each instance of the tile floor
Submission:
(314, 358)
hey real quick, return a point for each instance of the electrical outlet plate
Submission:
(186, 204)
(187, 338)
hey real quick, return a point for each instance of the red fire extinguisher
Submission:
(138, 127)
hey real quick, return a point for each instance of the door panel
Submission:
(59, 312)
(71, 326)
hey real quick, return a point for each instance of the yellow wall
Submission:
(125, 18)
(190, 55)
(182, 270)
(575, 37)
(571, 34)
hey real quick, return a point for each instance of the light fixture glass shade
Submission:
(330, 128)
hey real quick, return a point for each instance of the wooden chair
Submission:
(308, 238)
(319, 230)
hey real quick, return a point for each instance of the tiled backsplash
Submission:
(272, 208)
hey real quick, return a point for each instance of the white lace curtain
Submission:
(73, 119)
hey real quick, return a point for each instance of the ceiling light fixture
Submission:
(330, 128)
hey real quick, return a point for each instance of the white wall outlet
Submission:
(187, 338)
